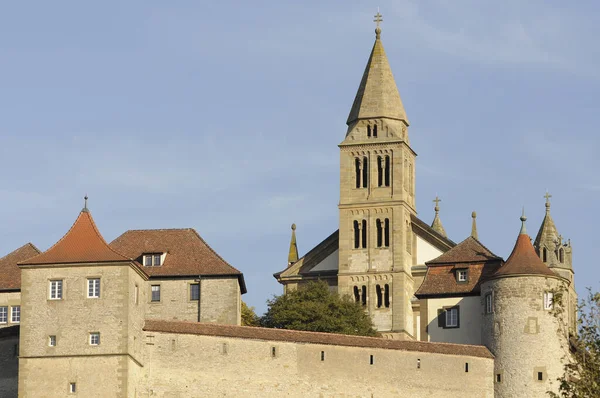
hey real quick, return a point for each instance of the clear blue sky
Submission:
(225, 117)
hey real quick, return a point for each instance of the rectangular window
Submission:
(136, 294)
(371, 360)
(451, 318)
(72, 387)
(94, 288)
(95, 338)
(15, 314)
(148, 261)
(488, 303)
(540, 376)
(548, 300)
(157, 260)
(3, 314)
(152, 260)
(56, 290)
(155, 289)
(498, 377)
(52, 341)
(462, 275)
(194, 292)
(322, 355)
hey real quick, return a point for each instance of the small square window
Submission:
(51, 341)
(95, 338)
(155, 290)
(3, 314)
(94, 288)
(72, 387)
(194, 292)
(15, 314)
(56, 290)
(462, 275)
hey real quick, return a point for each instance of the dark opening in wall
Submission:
(540, 376)
(372, 360)
(466, 367)
(419, 363)
(273, 352)
(498, 378)
(322, 355)
(364, 295)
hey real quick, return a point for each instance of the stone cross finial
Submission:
(547, 196)
(378, 19)
(437, 201)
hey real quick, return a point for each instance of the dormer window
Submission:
(153, 259)
(462, 275)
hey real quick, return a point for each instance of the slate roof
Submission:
(10, 274)
(295, 336)
(469, 250)
(187, 253)
(83, 243)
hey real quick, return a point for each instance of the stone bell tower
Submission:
(377, 200)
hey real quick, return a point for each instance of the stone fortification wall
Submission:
(523, 336)
(192, 360)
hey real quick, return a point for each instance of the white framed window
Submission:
(489, 303)
(153, 259)
(56, 289)
(462, 275)
(194, 291)
(548, 300)
(155, 291)
(73, 387)
(95, 338)
(452, 317)
(15, 314)
(3, 314)
(93, 288)
(51, 341)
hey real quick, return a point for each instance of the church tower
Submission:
(377, 199)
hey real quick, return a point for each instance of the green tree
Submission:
(249, 317)
(582, 372)
(313, 307)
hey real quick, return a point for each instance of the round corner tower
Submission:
(522, 323)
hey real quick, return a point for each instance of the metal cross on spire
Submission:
(378, 19)
(437, 201)
(547, 196)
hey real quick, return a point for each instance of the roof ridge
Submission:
(213, 250)
(19, 248)
(158, 229)
(486, 248)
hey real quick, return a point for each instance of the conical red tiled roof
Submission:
(524, 260)
(82, 244)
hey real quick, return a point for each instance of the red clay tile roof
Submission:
(187, 253)
(82, 244)
(295, 336)
(469, 250)
(523, 260)
(10, 274)
(440, 280)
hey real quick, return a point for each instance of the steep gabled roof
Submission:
(10, 274)
(187, 253)
(524, 260)
(469, 250)
(377, 95)
(83, 243)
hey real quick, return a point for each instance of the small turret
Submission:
(549, 244)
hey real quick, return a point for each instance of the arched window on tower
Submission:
(375, 131)
(380, 171)
(544, 254)
(356, 294)
(357, 171)
(386, 232)
(561, 255)
(386, 296)
(380, 230)
(364, 234)
(365, 172)
(379, 295)
(356, 235)
(369, 130)
(364, 295)
(408, 238)
(386, 167)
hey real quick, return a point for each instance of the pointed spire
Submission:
(549, 243)
(437, 223)
(474, 226)
(293, 254)
(377, 95)
(524, 260)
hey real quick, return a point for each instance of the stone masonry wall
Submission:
(181, 365)
(523, 336)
